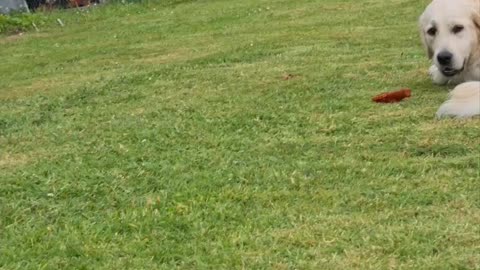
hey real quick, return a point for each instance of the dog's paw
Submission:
(437, 76)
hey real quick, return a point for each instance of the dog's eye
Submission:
(457, 29)
(432, 31)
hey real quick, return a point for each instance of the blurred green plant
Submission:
(15, 23)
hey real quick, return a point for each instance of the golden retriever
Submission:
(450, 32)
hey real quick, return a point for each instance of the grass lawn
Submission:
(163, 136)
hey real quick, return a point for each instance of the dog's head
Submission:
(450, 32)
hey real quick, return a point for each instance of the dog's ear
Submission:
(424, 41)
(476, 23)
(476, 13)
(423, 37)
(476, 20)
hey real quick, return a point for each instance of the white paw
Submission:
(464, 101)
(437, 76)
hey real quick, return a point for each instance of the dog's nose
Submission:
(444, 58)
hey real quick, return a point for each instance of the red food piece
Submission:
(395, 96)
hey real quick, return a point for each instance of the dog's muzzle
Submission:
(449, 71)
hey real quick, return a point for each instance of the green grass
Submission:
(162, 136)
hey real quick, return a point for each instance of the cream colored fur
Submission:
(464, 101)
(443, 16)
